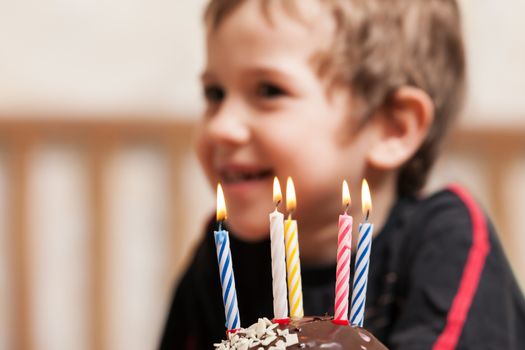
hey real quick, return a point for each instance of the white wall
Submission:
(495, 38)
(146, 56)
(132, 56)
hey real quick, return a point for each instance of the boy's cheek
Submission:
(203, 152)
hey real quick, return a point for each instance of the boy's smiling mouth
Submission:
(236, 176)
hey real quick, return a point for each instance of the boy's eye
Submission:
(269, 90)
(214, 93)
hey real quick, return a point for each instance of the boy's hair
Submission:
(381, 45)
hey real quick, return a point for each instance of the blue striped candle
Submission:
(229, 295)
(362, 261)
(222, 243)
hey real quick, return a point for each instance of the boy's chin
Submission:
(249, 231)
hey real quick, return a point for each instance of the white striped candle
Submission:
(280, 304)
(222, 243)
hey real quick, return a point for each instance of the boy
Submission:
(329, 90)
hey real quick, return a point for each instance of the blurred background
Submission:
(101, 198)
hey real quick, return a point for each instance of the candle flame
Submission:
(366, 200)
(221, 204)
(277, 194)
(290, 195)
(346, 195)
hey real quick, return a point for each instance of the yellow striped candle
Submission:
(293, 265)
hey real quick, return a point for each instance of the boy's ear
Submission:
(400, 129)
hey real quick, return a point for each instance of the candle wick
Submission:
(367, 216)
(220, 225)
(346, 208)
(290, 215)
(277, 203)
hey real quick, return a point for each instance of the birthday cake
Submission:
(304, 333)
(300, 332)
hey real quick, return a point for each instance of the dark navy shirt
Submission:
(438, 279)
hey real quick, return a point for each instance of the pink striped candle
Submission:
(344, 245)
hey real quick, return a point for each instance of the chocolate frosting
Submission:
(322, 333)
(303, 333)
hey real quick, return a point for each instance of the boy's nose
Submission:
(229, 127)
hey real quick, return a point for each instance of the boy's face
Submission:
(270, 114)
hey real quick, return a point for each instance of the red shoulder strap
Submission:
(472, 270)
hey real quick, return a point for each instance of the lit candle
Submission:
(364, 245)
(280, 304)
(344, 244)
(293, 266)
(222, 242)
